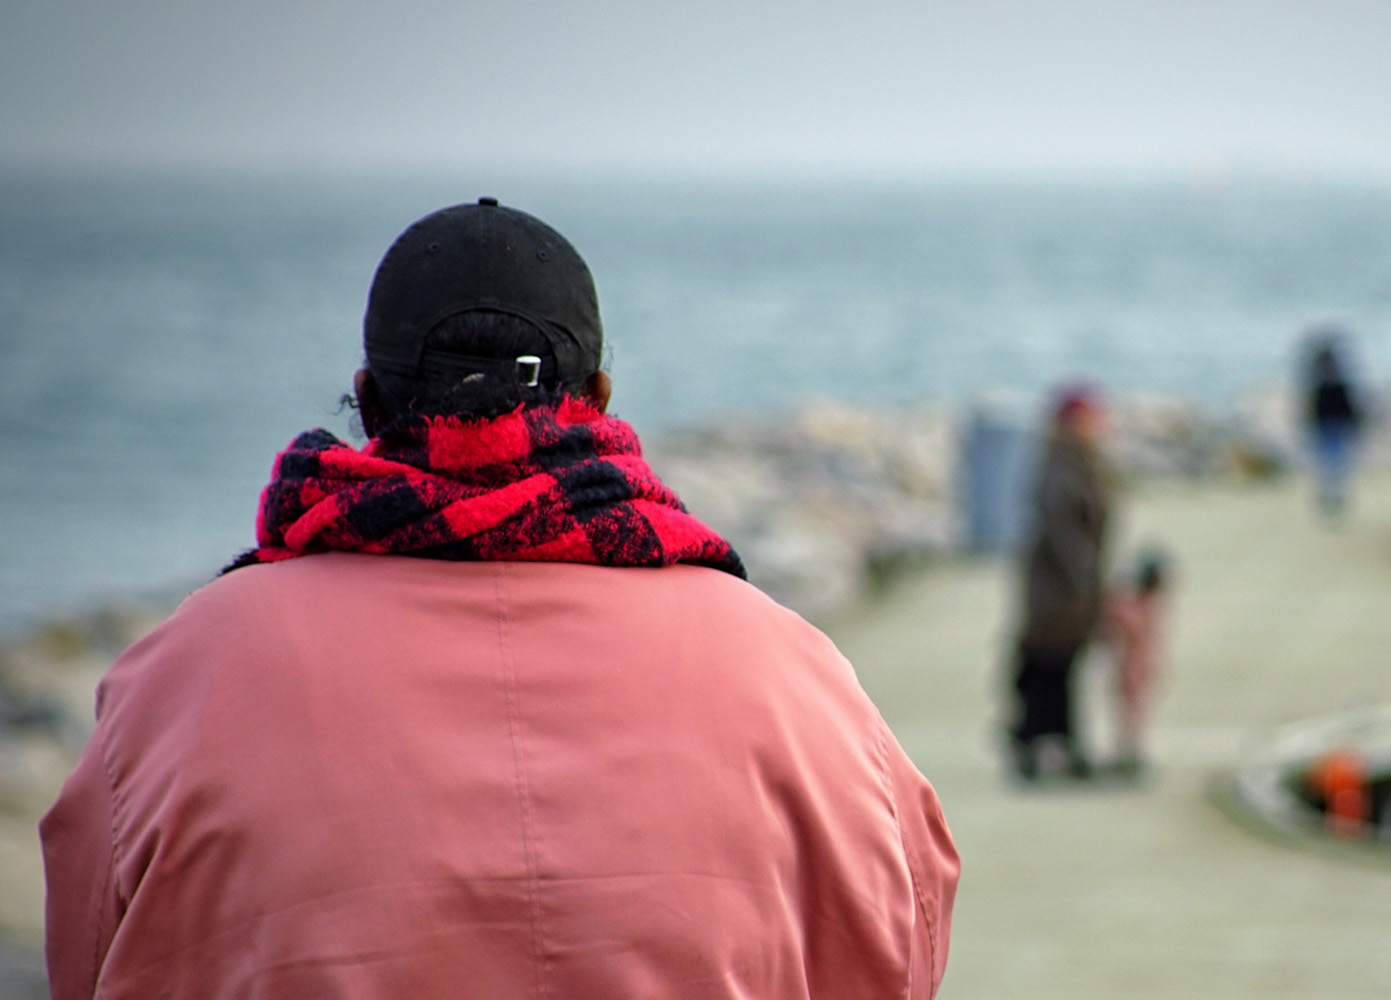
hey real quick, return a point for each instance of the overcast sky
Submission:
(922, 86)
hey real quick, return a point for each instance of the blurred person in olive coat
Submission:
(1062, 583)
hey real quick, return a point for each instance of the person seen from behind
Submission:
(1334, 417)
(487, 713)
(1133, 627)
(1062, 585)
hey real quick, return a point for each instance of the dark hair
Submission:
(480, 334)
(1151, 574)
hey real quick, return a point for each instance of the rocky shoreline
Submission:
(822, 499)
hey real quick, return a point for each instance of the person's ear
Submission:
(369, 401)
(597, 391)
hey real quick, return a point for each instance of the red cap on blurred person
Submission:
(1075, 398)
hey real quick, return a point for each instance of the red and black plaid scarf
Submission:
(558, 483)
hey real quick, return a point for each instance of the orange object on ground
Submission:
(1340, 780)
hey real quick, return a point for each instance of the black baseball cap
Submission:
(486, 257)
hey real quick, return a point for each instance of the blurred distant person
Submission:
(487, 713)
(1334, 417)
(1062, 583)
(1133, 627)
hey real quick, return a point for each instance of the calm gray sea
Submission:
(164, 336)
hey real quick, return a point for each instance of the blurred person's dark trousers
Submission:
(1043, 681)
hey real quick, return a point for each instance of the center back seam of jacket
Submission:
(520, 774)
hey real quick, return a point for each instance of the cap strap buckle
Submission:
(528, 370)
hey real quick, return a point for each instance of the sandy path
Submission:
(1155, 892)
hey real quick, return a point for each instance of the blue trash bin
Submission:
(998, 453)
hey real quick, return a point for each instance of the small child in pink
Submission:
(1134, 620)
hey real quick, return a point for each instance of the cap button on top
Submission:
(490, 202)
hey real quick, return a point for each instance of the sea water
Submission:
(162, 336)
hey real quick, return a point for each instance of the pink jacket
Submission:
(361, 776)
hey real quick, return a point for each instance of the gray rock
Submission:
(816, 499)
